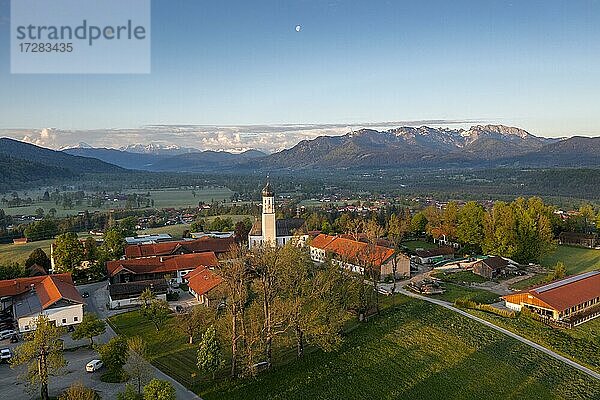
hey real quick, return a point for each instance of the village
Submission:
(162, 276)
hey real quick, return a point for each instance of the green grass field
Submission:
(460, 277)
(418, 351)
(454, 292)
(576, 259)
(581, 343)
(418, 244)
(19, 252)
(163, 198)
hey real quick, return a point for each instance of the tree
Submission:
(39, 257)
(235, 272)
(418, 223)
(210, 357)
(114, 356)
(159, 390)
(470, 225)
(68, 252)
(41, 353)
(127, 226)
(11, 271)
(157, 312)
(114, 244)
(559, 272)
(129, 394)
(90, 327)
(136, 367)
(90, 250)
(78, 391)
(192, 321)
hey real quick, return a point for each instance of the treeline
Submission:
(524, 229)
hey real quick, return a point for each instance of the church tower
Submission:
(269, 231)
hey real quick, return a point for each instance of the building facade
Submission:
(574, 300)
(355, 256)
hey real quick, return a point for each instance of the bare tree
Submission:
(235, 272)
(193, 320)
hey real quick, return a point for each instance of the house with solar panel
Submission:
(572, 300)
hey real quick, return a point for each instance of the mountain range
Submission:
(481, 146)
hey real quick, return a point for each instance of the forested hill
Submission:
(23, 164)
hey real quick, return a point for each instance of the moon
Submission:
(298, 28)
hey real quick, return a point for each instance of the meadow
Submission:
(163, 198)
(576, 259)
(417, 350)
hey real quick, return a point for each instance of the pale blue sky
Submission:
(533, 64)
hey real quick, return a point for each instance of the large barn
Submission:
(574, 300)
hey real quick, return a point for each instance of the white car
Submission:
(5, 355)
(7, 334)
(93, 365)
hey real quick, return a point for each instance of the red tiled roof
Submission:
(163, 264)
(202, 280)
(13, 287)
(48, 288)
(53, 289)
(204, 244)
(353, 250)
(566, 293)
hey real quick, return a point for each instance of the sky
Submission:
(228, 67)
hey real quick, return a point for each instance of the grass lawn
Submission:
(576, 259)
(460, 277)
(454, 292)
(581, 343)
(418, 244)
(418, 351)
(19, 252)
(531, 281)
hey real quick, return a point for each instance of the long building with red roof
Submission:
(202, 245)
(356, 255)
(151, 268)
(574, 299)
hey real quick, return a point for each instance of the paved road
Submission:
(528, 342)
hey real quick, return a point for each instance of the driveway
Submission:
(74, 372)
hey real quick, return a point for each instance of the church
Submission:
(269, 230)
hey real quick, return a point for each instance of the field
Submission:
(576, 259)
(177, 230)
(418, 351)
(19, 252)
(454, 292)
(460, 277)
(418, 244)
(163, 198)
(581, 343)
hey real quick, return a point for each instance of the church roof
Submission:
(283, 227)
(267, 190)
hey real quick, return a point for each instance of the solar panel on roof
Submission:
(566, 281)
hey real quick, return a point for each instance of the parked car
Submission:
(179, 308)
(93, 365)
(5, 355)
(5, 334)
